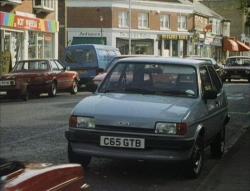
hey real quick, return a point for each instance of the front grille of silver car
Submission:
(125, 129)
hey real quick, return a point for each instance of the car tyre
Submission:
(53, 90)
(84, 160)
(217, 147)
(74, 88)
(195, 163)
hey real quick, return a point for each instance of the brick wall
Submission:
(27, 7)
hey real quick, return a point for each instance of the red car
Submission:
(33, 77)
(39, 177)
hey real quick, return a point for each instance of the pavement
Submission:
(232, 173)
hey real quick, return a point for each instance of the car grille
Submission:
(125, 129)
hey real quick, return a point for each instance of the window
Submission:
(123, 19)
(44, 4)
(165, 22)
(54, 66)
(182, 22)
(205, 80)
(162, 79)
(143, 21)
(59, 65)
(216, 81)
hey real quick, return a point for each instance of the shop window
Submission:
(174, 47)
(143, 21)
(40, 45)
(165, 22)
(123, 19)
(182, 22)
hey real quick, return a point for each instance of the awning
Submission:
(242, 46)
(230, 45)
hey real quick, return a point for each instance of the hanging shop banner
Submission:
(26, 23)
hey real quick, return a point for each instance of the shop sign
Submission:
(208, 41)
(216, 42)
(137, 35)
(200, 22)
(89, 34)
(174, 37)
(26, 23)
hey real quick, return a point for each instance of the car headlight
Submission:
(171, 128)
(82, 122)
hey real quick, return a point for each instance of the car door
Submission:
(211, 105)
(57, 74)
(220, 101)
(66, 78)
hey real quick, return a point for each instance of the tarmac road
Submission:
(34, 131)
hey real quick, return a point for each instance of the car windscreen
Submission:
(238, 62)
(150, 78)
(80, 56)
(36, 65)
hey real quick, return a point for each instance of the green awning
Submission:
(89, 40)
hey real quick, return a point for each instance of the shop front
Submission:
(141, 42)
(174, 45)
(27, 38)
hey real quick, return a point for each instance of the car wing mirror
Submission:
(209, 94)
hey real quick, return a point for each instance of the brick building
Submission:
(160, 28)
(29, 29)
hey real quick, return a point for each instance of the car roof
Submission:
(163, 60)
(42, 59)
(238, 57)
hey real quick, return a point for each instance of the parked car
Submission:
(237, 67)
(16, 176)
(89, 60)
(39, 76)
(152, 109)
(218, 67)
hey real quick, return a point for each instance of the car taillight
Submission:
(73, 121)
(181, 128)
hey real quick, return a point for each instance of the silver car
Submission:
(165, 109)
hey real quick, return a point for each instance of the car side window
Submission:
(53, 66)
(206, 83)
(59, 65)
(216, 81)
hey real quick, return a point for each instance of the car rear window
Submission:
(31, 65)
(80, 55)
(238, 62)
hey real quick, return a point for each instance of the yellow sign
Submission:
(5, 62)
(174, 37)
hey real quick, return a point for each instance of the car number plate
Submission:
(124, 142)
(5, 83)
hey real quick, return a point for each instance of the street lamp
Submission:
(101, 20)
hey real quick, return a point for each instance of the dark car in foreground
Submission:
(237, 67)
(18, 176)
(161, 109)
(33, 77)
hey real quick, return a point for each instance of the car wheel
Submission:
(53, 90)
(195, 163)
(74, 88)
(84, 160)
(217, 147)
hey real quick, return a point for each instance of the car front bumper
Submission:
(157, 148)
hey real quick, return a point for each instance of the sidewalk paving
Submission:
(232, 173)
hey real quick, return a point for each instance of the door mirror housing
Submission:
(209, 94)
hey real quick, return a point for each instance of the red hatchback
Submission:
(33, 77)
